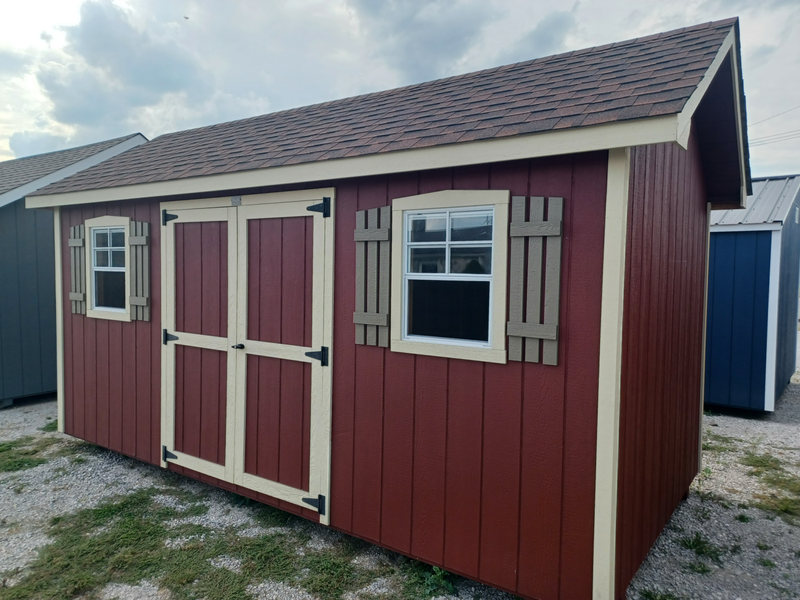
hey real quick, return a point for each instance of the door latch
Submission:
(238, 347)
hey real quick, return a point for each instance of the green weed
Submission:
(762, 546)
(699, 567)
(702, 547)
(743, 518)
(24, 453)
(651, 595)
(714, 442)
(50, 426)
(765, 562)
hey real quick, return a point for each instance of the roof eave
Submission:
(621, 134)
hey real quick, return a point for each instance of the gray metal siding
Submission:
(27, 303)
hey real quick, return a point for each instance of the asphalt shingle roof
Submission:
(644, 77)
(17, 172)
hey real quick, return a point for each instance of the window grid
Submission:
(110, 248)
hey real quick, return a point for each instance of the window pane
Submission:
(118, 239)
(428, 228)
(101, 258)
(109, 289)
(427, 260)
(118, 258)
(471, 228)
(475, 261)
(449, 309)
(101, 238)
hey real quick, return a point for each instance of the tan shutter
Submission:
(139, 247)
(373, 248)
(77, 268)
(529, 325)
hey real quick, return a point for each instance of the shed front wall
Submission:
(487, 470)
(789, 280)
(662, 346)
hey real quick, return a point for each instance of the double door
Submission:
(247, 324)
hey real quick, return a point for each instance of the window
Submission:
(449, 275)
(108, 264)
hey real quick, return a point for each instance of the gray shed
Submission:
(27, 273)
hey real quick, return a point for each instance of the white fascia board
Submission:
(746, 227)
(636, 132)
(772, 321)
(30, 187)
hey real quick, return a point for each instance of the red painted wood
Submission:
(90, 365)
(665, 271)
(265, 249)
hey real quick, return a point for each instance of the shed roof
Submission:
(771, 201)
(17, 175)
(641, 78)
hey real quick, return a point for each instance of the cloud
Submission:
(13, 63)
(548, 37)
(422, 40)
(27, 143)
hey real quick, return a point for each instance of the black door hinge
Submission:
(167, 337)
(165, 216)
(323, 207)
(321, 356)
(318, 503)
(166, 454)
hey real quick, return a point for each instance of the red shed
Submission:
(462, 319)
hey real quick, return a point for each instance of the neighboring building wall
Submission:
(27, 303)
(738, 300)
(662, 348)
(484, 469)
(785, 364)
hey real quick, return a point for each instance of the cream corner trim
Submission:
(499, 199)
(111, 315)
(609, 386)
(703, 351)
(59, 320)
(635, 132)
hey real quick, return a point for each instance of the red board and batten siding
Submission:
(485, 469)
(662, 346)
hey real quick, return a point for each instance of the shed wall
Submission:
(736, 328)
(785, 363)
(662, 346)
(485, 469)
(27, 303)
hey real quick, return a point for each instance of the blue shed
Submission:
(753, 276)
(27, 266)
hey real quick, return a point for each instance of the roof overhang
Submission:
(20, 192)
(675, 128)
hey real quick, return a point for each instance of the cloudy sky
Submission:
(78, 71)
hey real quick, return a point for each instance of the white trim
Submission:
(495, 351)
(59, 320)
(744, 227)
(703, 352)
(634, 132)
(110, 314)
(610, 380)
(20, 192)
(772, 320)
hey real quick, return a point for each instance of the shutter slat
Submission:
(77, 269)
(516, 284)
(384, 284)
(552, 285)
(534, 307)
(372, 277)
(361, 249)
(139, 248)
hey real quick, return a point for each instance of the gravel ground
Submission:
(757, 554)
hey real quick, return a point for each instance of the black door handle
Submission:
(238, 346)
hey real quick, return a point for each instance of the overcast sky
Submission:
(78, 71)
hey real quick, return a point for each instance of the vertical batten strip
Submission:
(372, 276)
(516, 268)
(534, 300)
(385, 249)
(610, 379)
(552, 286)
(361, 224)
(145, 266)
(59, 319)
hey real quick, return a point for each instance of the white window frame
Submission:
(113, 314)
(452, 200)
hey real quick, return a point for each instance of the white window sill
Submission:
(450, 350)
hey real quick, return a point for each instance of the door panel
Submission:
(278, 420)
(201, 381)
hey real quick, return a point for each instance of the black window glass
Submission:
(110, 289)
(449, 309)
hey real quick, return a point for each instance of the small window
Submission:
(107, 267)
(448, 275)
(449, 253)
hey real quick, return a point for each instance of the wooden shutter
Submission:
(535, 323)
(77, 268)
(139, 247)
(373, 248)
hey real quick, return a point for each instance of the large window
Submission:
(107, 268)
(449, 272)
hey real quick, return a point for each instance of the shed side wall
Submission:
(662, 347)
(27, 303)
(785, 364)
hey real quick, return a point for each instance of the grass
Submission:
(23, 453)
(765, 562)
(762, 546)
(743, 518)
(699, 567)
(123, 541)
(714, 442)
(702, 547)
(50, 427)
(651, 595)
(771, 471)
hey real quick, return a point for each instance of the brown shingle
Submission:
(633, 79)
